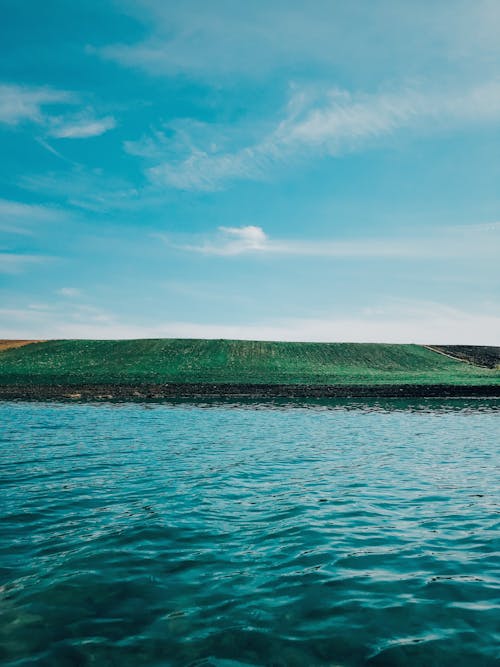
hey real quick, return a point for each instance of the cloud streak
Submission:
(18, 218)
(221, 39)
(14, 263)
(252, 240)
(24, 103)
(70, 292)
(400, 322)
(88, 189)
(20, 104)
(81, 128)
(330, 123)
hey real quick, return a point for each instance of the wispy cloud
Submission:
(478, 227)
(25, 103)
(18, 218)
(252, 240)
(57, 320)
(70, 292)
(81, 127)
(202, 291)
(88, 189)
(33, 104)
(223, 39)
(325, 123)
(53, 151)
(17, 263)
(398, 322)
(234, 241)
(435, 323)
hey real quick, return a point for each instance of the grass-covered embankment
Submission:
(138, 364)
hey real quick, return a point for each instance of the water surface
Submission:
(250, 534)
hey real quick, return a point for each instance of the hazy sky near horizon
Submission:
(261, 169)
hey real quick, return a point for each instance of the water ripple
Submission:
(232, 535)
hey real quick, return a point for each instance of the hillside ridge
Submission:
(204, 361)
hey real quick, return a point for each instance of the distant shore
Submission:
(104, 392)
(185, 368)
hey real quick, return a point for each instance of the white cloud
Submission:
(222, 39)
(81, 128)
(90, 189)
(71, 292)
(25, 103)
(56, 321)
(18, 217)
(332, 122)
(17, 263)
(235, 240)
(40, 306)
(30, 104)
(231, 241)
(400, 322)
(478, 227)
(437, 325)
(52, 150)
(10, 209)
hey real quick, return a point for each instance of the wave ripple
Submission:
(236, 535)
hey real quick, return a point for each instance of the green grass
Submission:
(80, 362)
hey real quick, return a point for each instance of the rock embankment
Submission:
(259, 391)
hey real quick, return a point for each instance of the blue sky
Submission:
(259, 170)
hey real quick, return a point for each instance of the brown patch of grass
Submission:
(7, 344)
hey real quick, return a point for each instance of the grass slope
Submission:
(81, 362)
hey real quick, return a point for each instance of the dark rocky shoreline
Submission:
(171, 391)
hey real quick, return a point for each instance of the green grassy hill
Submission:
(80, 362)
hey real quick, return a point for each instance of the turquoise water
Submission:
(232, 535)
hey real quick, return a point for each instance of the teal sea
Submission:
(231, 535)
